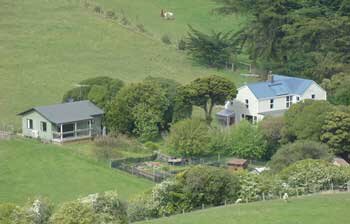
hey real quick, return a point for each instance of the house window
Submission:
(271, 104)
(289, 101)
(298, 98)
(313, 96)
(243, 116)
(29, 123)
(247, 103)
(43, 126)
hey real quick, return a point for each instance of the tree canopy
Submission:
(306, 38)
(210, 91)
(336, 132)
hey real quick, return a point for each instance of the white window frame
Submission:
(30, 124)
(289, 101)
(42, 126)
(272, 103)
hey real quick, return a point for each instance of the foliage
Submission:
(189, 137)
(179, 107)
(314, 175)
(304, 120)
(100, 90)
(247, 141)
(219, 140)
(305, 38)
(37, 211)
(271, 128)
(97, 208)
(138, 109)
(166, 39)
(209, 186)
(214, 50)
(338, 89)
(181, 45)
(299, 150)
(336, 132)
(209, 91)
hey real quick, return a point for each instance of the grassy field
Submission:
(324, 209)
(29, 168)
(47, 46)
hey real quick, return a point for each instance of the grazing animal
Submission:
(285, 197)
(166, 15)
(238, 201)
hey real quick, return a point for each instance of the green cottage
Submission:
(63, 122)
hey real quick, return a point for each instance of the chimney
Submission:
(270, 77)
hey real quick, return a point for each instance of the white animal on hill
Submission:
(285, 197)
(166, 15)
(238, 201)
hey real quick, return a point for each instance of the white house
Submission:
(269, 98)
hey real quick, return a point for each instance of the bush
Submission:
(299, 150)
(98, 9)
(96, 208)
(166, 39)
(110, 14)
(314, 175)
(181, 45)
(125, 21)
(141, 28)
(189, 137)
(151, 146)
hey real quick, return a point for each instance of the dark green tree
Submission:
(304, 120)
(299, 150)
(210, 91)
(214, 50)
(336, 133)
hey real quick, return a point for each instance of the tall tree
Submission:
(210, 91)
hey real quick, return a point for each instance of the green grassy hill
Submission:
(29, 168)
(48, 46)
(323, 209)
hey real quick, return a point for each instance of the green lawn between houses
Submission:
(29, 168)
(47, 46)
(321, 209)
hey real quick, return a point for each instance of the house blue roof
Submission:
(279, 86)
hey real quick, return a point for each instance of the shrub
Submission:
(189, 137)
(151, 146)
(141, 28)
(125, 21)
(299, 150)
(314, 175)
(96, 208)
(110, 14)
(181, 45)
(98, 9)
(166, 39)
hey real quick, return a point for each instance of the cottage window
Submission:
(313, 96)
(271, 103)
(29, 123)
(247, 103)
(298, 98)
(43, 126)
(289, 101)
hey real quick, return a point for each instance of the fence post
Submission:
(263, 196)
(332, 186)
(348, 186)
(202, 205)
(225, 203)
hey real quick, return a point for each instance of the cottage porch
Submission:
(73, 131)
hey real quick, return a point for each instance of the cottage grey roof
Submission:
(273, 113)
(281, 85)
(67, 112)
(225, 113)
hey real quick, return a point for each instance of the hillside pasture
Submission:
(29, 168)
(321, 209)
(49, 46)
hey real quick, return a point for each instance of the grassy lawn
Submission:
(29, 168)
(322, 209)
(48, 46)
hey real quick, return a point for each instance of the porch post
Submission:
(75, 129)
(90, 128)
(61, 132)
